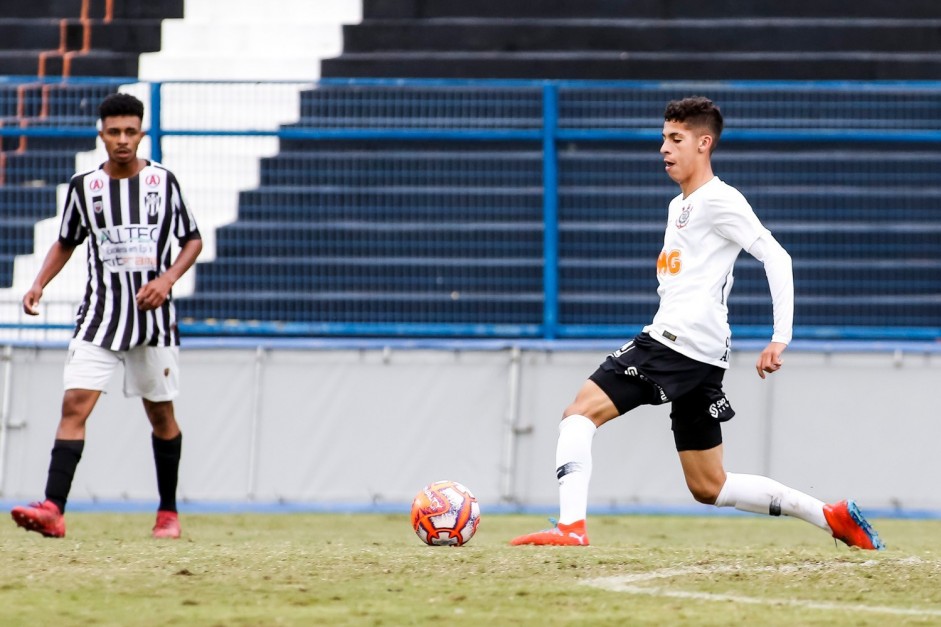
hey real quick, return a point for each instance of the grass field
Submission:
(370, 569)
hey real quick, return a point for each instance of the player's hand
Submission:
(770, 359)
(153, 294)
(31, 300)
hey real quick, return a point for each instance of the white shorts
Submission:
(151, 372)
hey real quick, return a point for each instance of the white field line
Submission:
(631, 584)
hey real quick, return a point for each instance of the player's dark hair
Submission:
(120, 104)
(696, 112)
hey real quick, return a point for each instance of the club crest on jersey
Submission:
(152, 203)
(152, 181)
(683, 219)
(95, 185)
(97, 204)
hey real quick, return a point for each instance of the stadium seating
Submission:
(647, 39)
(451, 232)
(31, 168)
(76, 38)
(220, 39)
(47, 39)
(426, 231)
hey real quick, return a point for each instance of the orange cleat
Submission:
(44, 518)
(167, 526)
(559, 535)
(849, 525)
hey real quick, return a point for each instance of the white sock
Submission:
(573, 467)
(761, 495)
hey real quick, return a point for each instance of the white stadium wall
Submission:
(366, 427)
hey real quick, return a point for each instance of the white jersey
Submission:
(705, 234)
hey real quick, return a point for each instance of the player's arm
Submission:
(154, 293)
(777, 263)
(58, 255)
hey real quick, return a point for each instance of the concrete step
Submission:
(194, 38)
(852, 65)
(644, 35)
(607, 9)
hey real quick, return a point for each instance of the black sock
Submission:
(167, 461)
(65, 457)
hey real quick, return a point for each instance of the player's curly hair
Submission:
(696, 112)
(120, 104)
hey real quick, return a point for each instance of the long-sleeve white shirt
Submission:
(705, 233)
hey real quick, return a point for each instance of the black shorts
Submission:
(645, 372)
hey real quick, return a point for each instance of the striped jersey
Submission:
(129, 224)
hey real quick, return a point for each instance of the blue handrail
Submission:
(550, 211)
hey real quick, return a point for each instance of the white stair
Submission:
(250, 39)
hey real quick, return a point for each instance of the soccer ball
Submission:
(445, 513)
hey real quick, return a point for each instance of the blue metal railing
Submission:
(550, 211)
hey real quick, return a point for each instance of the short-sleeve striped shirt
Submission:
(129, 224)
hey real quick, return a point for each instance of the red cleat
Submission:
(849, 525)
(44, 518)
(560, 535)
(167, 526)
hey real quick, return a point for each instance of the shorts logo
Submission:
(623, 349)
(721, 410)
(152, 202)
(152, 181)
(632, 371)
(95, 185)
(683, 218)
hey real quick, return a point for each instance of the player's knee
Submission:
(573, 409)
(599, 411)
(706, 496)
(76, 409)
(75, 416)
(706, 492)
(161, 417)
